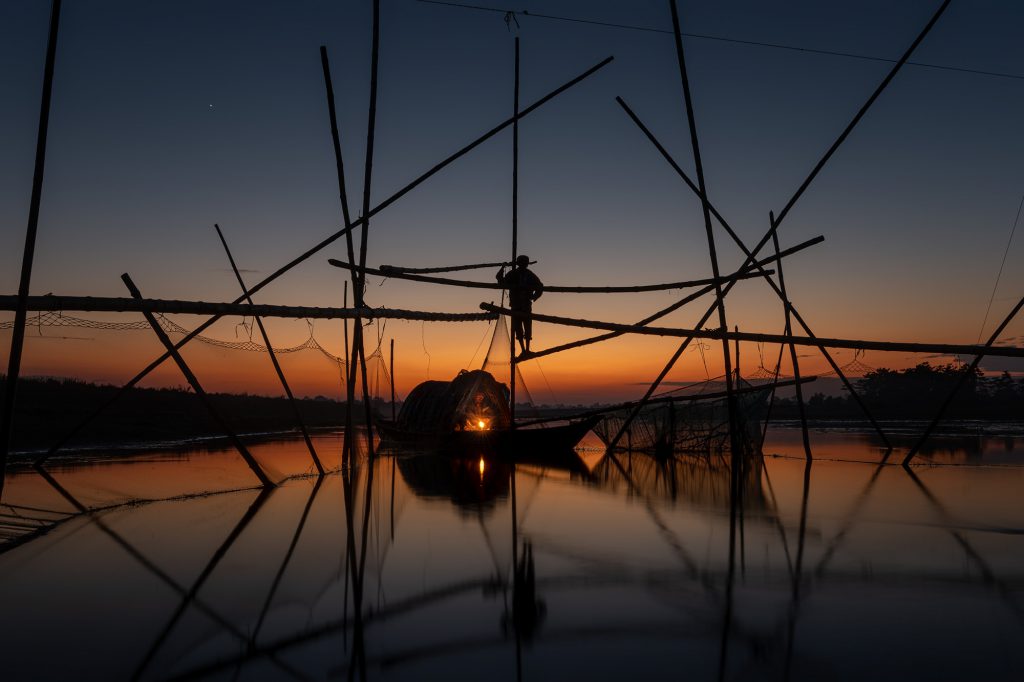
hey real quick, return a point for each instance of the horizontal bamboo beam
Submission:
(819, 342)
(549, 289)
(447, 268)
(691, 397)
(677, 305)
(96, 304)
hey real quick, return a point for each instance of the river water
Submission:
(420, 567)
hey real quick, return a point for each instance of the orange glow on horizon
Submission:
(612, 371)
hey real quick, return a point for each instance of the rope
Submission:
(700, 349)
(423, 342)
(1005, 252)
(546, 382)
(723, 39)
(482, 339)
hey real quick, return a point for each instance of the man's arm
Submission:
(538, 288)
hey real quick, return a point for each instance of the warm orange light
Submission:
(482, 467)
(481, 424)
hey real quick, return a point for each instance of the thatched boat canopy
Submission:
(474, 400)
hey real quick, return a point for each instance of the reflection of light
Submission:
(482, 467)
(481, 424)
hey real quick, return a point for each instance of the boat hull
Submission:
(510, 442)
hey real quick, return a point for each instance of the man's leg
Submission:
(517, 329)
(527, 332)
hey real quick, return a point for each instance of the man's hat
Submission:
(523, 261)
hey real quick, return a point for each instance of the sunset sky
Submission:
(169, 117)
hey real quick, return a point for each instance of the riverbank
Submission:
(151, 418)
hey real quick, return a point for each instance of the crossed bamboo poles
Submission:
(358, 275)
(358, 355)
(779, 289)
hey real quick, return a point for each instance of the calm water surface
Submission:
(419, 567)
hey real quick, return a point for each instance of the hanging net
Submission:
(497, 362)
(685, 424)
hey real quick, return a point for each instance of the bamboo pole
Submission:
(985, 350)
(859, 115)
(558, 289)
(347, 448)
(739, 242)
(709, 230)
(887, 346)
(197, 387)
(447, 268)
(675, 357)
(273, 358)
(28, 255)
(835, 145)
(64, 304)
(345, 331)
(393, 416)
(515, 251)
(330, 240)
(736, 328)
(792, 351)
(771, 400)
(371, 126)
(665, 311)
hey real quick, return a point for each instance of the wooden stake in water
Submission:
(712, 252)
(18, 332)
(515, 234)
(194, 382)
(792, 349)
(273, 358)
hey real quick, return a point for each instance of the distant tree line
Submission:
(47, 408)
(917, 392)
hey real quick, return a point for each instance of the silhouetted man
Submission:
(524, 288)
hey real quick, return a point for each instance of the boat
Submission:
(470, 414)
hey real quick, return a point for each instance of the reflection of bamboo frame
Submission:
(715, 586)
(189, 596)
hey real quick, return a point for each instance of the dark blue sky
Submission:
(171, 116)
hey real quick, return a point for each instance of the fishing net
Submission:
(472, 400)
(686, 424)
(497, 362)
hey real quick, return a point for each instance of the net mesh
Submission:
(497, 362)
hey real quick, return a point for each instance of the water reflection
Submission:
(472, 484)
(406, 567)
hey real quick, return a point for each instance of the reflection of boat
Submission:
(692, 422)
(471, 484)
(475, 481)
(470, 414)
